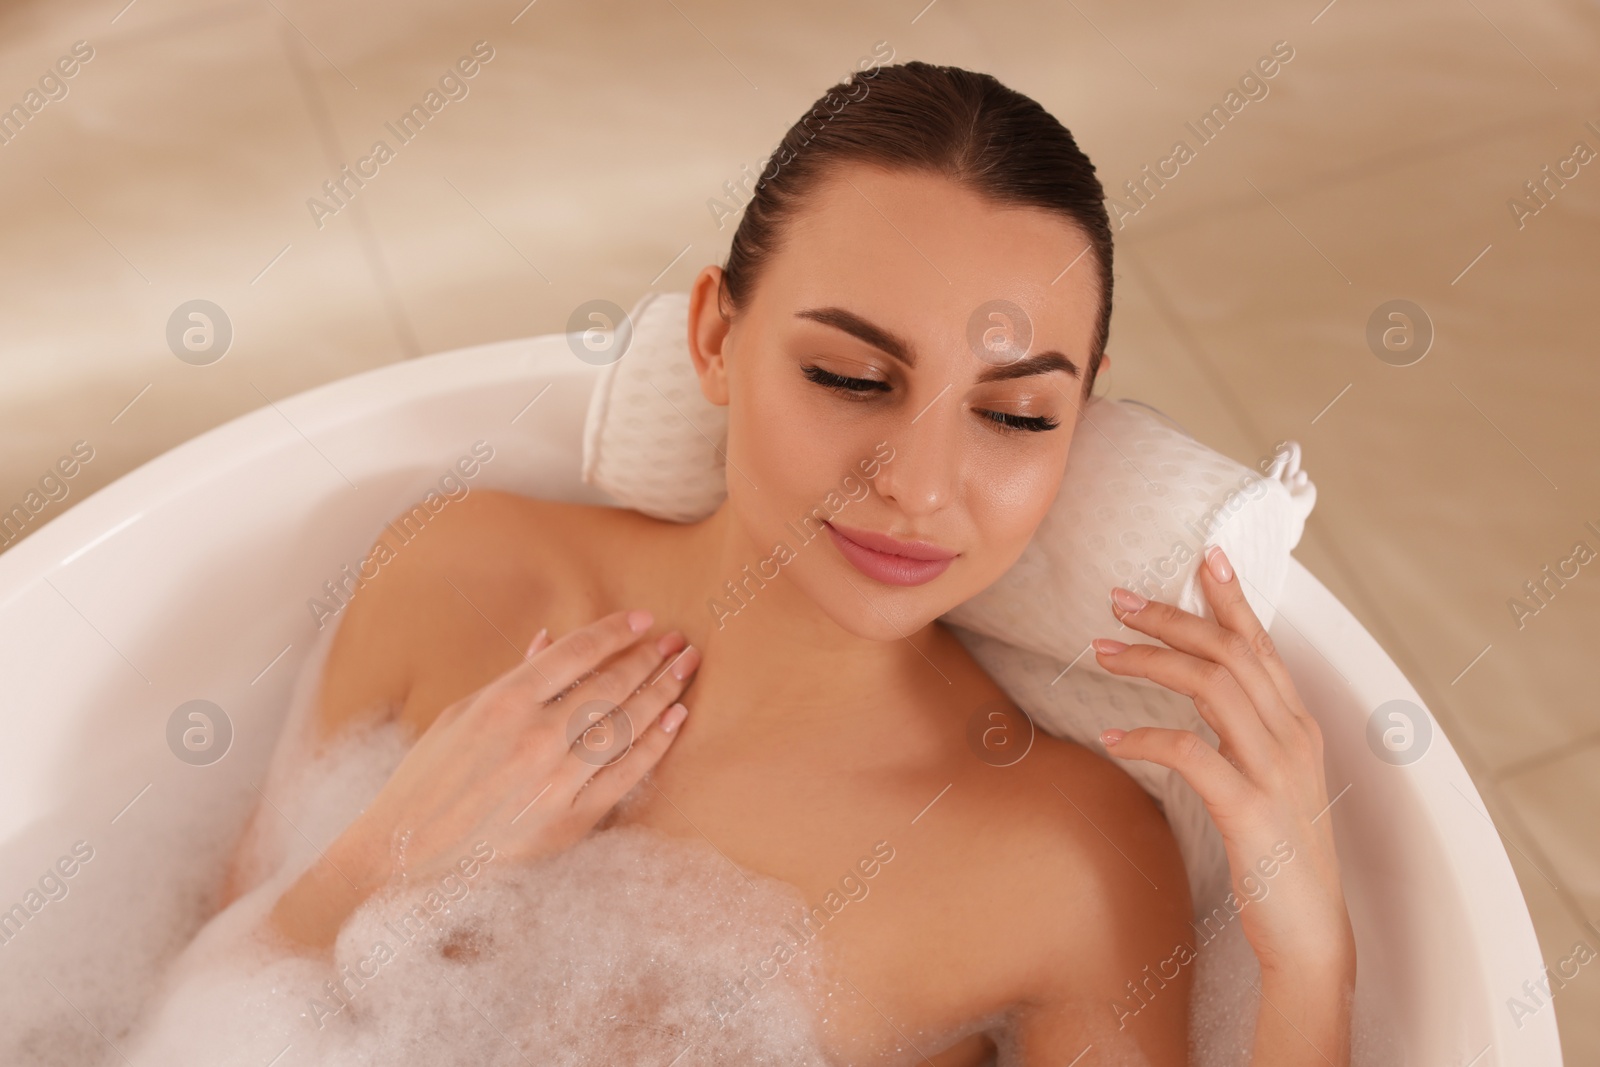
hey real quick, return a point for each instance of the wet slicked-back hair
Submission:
(932, 119)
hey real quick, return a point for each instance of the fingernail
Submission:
(1107, 646)
(1111, 737)
(672, 717)
(538, 640)
(686, 663)
(670, 643)
(1127, 599)
(639, 621)
(1217, 560)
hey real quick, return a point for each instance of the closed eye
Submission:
(856, 387)
(1032, 423)
(840, 382)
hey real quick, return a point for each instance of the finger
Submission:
(1224, 706)
(1219, 784)
(569, 741)
(1216, 642)
(1224, 591)
(613, 782)
(554, 669)
(631, 670)
(603, 731)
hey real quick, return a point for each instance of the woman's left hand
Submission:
(1265, 789)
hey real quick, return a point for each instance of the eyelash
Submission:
(839, 382)
(855, 387)
(1029, 423)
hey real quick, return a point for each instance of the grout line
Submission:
(405, 334)
(1180, 219)
(1192, 348)
(1554, 754)
(1507, 819)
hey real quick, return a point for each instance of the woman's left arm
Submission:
(1265, 789)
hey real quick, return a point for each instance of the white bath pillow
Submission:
(651, 439)
(1139, 502)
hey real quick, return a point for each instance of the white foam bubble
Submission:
(619, 950)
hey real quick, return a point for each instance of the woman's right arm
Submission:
(1266, 789)
(501, 766)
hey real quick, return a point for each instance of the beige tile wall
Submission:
(1379, 166)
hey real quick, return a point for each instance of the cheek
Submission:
(1010, 496)
(780, 438)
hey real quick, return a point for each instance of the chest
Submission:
(889, 902)
(904, 970)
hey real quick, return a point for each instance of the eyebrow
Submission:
(887, 342)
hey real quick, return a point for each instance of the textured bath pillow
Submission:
(1138, 506)
(651, 439)
(1139, 503)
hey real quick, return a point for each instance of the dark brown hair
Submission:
(943, 120)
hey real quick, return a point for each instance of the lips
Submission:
(888, 559)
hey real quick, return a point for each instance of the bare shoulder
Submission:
(449, 590)
(444, 599)
(1100, 893)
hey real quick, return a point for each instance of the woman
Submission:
(831, 710)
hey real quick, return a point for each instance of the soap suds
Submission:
(624, 948)
(596, 955)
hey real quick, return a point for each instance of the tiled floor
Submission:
(1378, 166)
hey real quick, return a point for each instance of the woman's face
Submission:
(877, 384)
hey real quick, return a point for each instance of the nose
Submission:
(922, 476)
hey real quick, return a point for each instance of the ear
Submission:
(708, 335)
(1100, 372)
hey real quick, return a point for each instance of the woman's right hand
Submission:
(516, 764)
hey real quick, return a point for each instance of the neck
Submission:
(769, 650)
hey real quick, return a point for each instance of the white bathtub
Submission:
(189, 579)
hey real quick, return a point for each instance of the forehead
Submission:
(925, 254)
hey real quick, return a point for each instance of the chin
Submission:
(875, 610)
